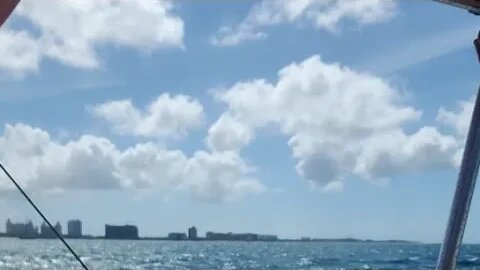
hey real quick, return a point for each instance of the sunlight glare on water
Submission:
(104, 254)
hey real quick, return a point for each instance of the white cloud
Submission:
(220, 176)
(396, 152)
(71, 31)
(340, 123)
(322, 14)
(167, 116)
(39, 162)
(90, 162)
(228, 134)
(19, 51)
(459, 120)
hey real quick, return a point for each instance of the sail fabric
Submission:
(6, 8)
(472, 5)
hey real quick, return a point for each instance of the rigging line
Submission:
(43, 217)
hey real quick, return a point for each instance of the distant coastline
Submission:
(28, 230)
(202, 239)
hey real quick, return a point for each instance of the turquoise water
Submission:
(102, 254)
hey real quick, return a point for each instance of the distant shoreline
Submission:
(338, 240)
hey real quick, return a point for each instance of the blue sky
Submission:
(317, 119)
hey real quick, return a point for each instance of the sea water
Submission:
(110, 254)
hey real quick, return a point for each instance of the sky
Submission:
(297, 118)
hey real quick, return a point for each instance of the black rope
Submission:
(44, 218)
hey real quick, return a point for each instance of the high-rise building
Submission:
(30, 230)
(58, 228)
(23, 230)
(74, 228)
(46, 232)
(9, 228)
(192, 233)
(121, 232)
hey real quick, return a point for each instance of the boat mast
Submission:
(463, 195)
(467, 176)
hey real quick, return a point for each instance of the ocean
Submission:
(111, 254)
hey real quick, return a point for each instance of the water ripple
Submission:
(165, 255)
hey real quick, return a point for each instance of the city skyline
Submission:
(131, 232)
(28, 229)
(127, 232)
(65, 225)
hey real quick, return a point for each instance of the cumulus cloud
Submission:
(20, 52)
(340, 123)
(167, 116)
(92, 162)
(220, 175)
(396, 152)
(322, 14)
(459, 120)
(228, 134)
(71, 31)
